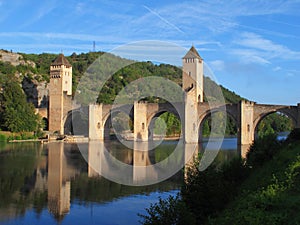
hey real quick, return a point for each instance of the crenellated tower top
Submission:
(61, 69)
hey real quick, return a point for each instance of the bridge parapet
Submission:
(262, 110)
(250, 114)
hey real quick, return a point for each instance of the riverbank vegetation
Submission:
(264, 189)
(16, 115)
(6, 136)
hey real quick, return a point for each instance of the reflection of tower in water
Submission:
(140, 162)
(95, 155)
(59, 185)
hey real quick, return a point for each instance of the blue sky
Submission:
(251, 46)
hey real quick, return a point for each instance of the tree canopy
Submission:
(16, 114)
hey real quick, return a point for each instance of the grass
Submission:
(9, 136)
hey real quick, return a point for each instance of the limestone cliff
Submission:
(14, 59)
(36, 91)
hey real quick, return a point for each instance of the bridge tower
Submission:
(192, 75)
(192, 84)
(60, 93)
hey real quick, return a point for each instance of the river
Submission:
(54, 184)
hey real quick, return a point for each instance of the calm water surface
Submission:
(53, 184)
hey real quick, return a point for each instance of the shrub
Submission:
(262, 150)
(276, 202)
(294, 135)
(3, 138)
(18, 137)
(208, 192)
(168, 212)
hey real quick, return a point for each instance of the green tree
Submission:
(274, 123)
(17, 115)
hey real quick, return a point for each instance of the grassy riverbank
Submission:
(6, 136)
(263, 190)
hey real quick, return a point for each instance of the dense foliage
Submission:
(270, 195)
(16, 114)
(264, 190)
(274, 123)
(164, 213)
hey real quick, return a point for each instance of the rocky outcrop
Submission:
(14, 58)
(36, 92)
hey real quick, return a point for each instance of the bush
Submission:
(208, 192)
(168, 212)
(3, 138)
(273, 202)
(262, 150)
(294, 135)
(18, 137)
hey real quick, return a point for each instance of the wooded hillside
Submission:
(34, 69)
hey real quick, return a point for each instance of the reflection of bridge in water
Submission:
(64, 166)
(62, 169)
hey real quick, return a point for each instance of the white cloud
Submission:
(248, 56)
(80, 7)
(267, 47)
(219, 16)
(163, 19)
(253, 48)
(289, 74)
(277, 68)
(71, 36)
(43, 10)
(217, 65)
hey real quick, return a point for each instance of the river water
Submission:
(54, 184)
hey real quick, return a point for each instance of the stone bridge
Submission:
(192, 112)
(246, 114)
(142, 114)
